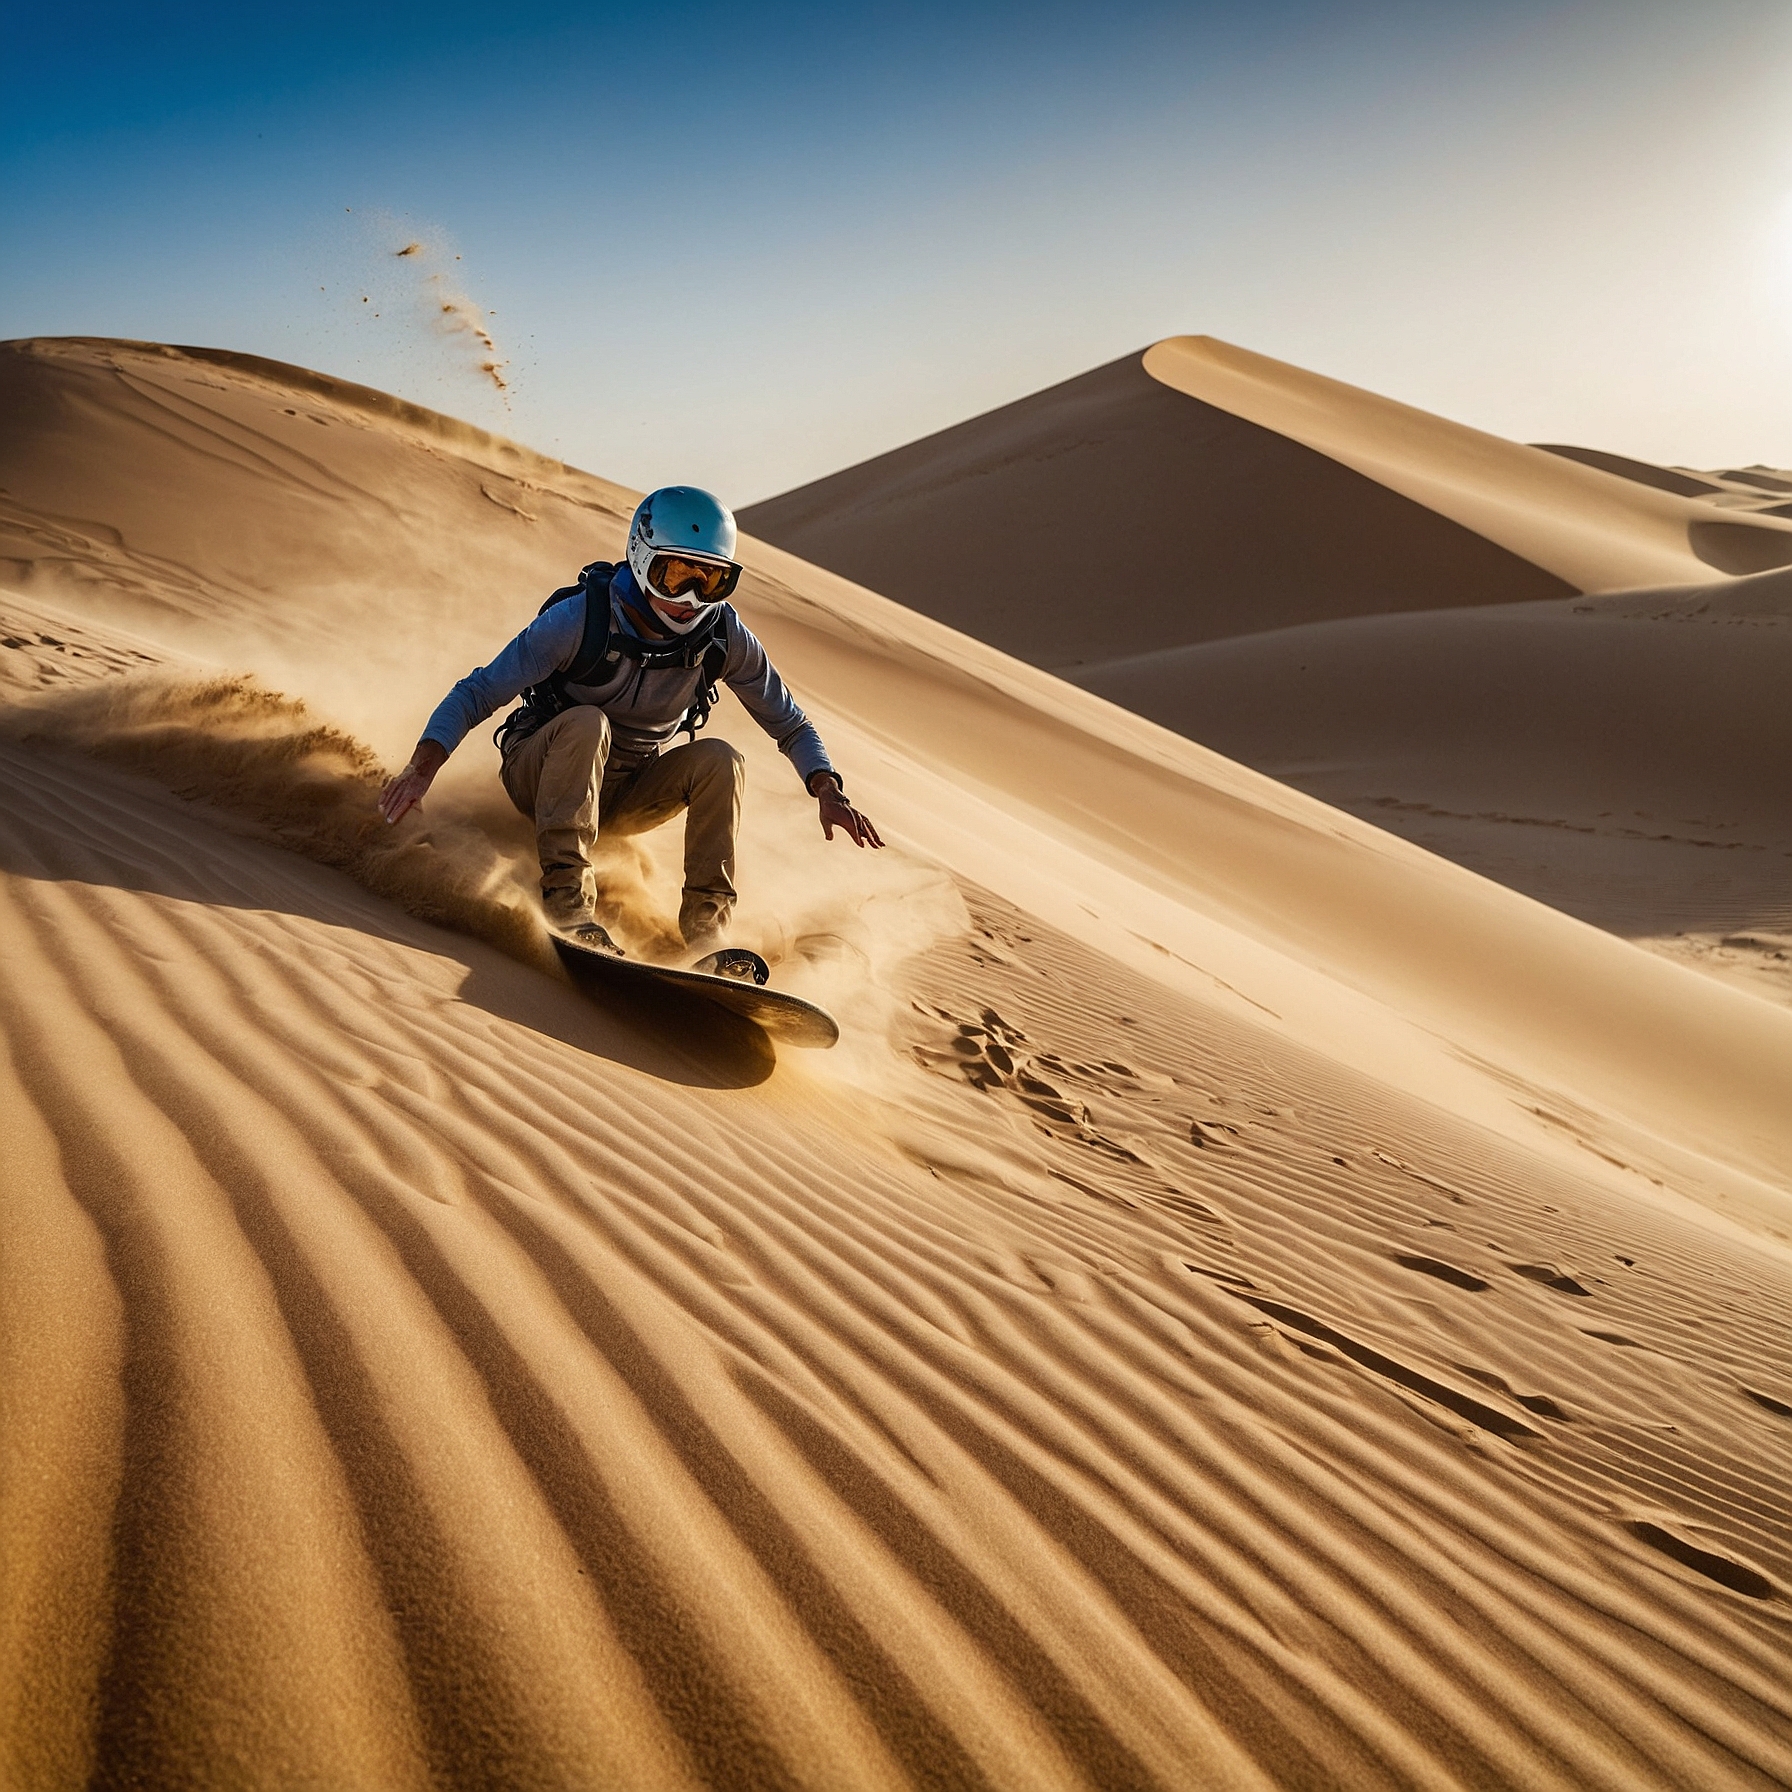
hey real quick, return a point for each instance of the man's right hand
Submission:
(406, 792)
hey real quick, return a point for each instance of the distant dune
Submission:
(1112, 512)
(1197, 492)
(1248, 1304)
(1664, 479)
(1620, 758)
(1367, 602)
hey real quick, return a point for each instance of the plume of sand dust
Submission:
(454, 313)
(305, 785)
(839, 925)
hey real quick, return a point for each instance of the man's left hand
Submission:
(837, 812)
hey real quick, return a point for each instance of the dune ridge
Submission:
(1248, 1302)
(1596, 530)
(307, 509)
(1112, 508)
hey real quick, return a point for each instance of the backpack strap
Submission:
(599, 645)
(594, 640)
(715, 657)
(543, 701)
(705, 648)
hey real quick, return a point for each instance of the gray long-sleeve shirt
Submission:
(645, 707)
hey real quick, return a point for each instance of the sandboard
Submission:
(786, 1018)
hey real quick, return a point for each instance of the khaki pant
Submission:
(558, 777)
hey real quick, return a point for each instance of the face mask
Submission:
(673, 623)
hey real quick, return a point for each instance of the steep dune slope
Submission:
(1113, 508)
(1248, 1303)
(1303, 576)
(1596, 530)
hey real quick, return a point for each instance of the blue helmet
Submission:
(681, 546)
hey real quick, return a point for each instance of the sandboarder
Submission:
(609, 671)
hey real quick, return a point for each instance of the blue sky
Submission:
(749, 244)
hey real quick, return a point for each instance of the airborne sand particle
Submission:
(406, 273)
(460, 314)
(455, 313)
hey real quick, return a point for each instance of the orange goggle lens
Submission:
(672, 575)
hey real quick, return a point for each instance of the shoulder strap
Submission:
(543, 701)
(594, 640)
(715, 658)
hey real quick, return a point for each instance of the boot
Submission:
(570, 913)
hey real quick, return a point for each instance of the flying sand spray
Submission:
(452, 312)
(392, 290)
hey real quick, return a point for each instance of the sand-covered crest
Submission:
(1249, 1304)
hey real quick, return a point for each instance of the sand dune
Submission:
(1664, 479)
(1596, 531)
(1620, 758)
(1438, 694)
(1114, 512)
(1275, 499)
(1762, 489)
(1248, 1304)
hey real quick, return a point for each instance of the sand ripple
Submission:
(409, 1394)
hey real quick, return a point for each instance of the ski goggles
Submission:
(707, 581)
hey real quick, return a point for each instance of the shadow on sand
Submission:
(69, 820)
